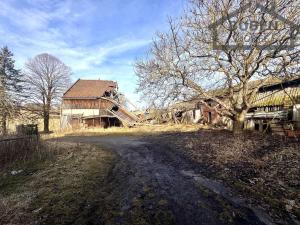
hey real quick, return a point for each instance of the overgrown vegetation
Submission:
(15, 149)
(216, 49)
(263, 169)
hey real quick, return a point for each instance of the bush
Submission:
(22, 149)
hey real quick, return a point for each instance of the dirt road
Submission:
(151, 184)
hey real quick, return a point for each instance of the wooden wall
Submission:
(86, 104)
(93, 104)
(102, 122)
(210, 115)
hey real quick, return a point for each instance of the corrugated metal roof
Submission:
(285, 97)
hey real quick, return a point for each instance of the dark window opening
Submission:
(209, 117)
(178, 114)
(115, 108)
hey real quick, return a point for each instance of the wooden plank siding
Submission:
(92, 104)
(86, 104)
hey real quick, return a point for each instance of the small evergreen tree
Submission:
(10, 87)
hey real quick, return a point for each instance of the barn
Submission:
(95, 103)
(276, 108)
(194, 111)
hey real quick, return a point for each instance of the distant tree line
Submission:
(39, 84)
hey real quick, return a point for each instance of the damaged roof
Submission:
(282, 94)
(274, 93)
(90, 88)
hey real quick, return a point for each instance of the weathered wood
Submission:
(86, 104)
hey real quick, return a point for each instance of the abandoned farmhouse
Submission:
(276, 108)
(94, 103)
(97, 103)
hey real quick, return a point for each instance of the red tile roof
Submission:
(90, 88)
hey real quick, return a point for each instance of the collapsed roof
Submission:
(90, 89)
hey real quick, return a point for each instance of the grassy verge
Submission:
(63, 190)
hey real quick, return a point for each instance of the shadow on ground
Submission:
(156, 181)
(204, 177)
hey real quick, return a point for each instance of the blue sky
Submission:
(96, 38)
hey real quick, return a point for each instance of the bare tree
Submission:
(47, 79)
(211, 53)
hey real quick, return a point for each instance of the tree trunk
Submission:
(47, 108)
(3, 124)
(238, 122)
(46, 118)
(46, 122)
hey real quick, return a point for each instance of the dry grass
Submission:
(138, 130)
(264, 169)
(22, 150)
(66, 190)
(54, 123)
